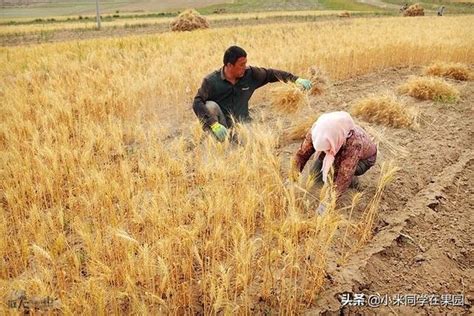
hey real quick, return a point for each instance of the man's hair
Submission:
(232, 54)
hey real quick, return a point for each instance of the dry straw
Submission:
(359, 232)
(288, 97)
(189, 20)
(385, 143)
(385, 110)
(366, 224)
(298, 130)
(414, 10)
(429, 88)
(456, 71)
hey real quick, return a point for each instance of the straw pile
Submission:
(385, 110)
(430, 88)
(189, 20)
(414, 10)
(454, 71)
(288, 97)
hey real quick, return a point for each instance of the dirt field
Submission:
(423, 243)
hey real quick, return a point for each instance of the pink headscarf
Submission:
(328, 134)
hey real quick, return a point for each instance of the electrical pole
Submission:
(98, 13)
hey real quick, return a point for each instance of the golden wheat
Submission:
(385, 110)
(455, 71)
(288, 97)
(112, 202)
(430, 88)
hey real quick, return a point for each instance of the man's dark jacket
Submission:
(234, 99)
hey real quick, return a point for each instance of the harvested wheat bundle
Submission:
(429, 88)
(298, 130)
(385, 110)
(189, 20)
(288, 97)
(414, 10)
(455, 71)
(319, 81)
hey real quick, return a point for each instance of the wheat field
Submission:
(113, 200)
(91, 24)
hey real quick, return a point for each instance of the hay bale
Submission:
(430, 88)
(414, 10)
(319, 81)
(189, 20)
(288, 97)
(385, 110)
(454, 71)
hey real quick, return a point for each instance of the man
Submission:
(225, 93)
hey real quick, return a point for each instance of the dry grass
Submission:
(288, 97)
(189, 20)
(414, 10)
(456, 71)
(430, 88)
(385, 110)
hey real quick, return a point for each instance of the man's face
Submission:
(238, 70)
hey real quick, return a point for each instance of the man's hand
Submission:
(219, 131)
(305, 83)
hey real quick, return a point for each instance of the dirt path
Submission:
(423, 239)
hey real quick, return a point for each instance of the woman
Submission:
(339, 142)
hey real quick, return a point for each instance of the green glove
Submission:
(305, 83)
(219, 130)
